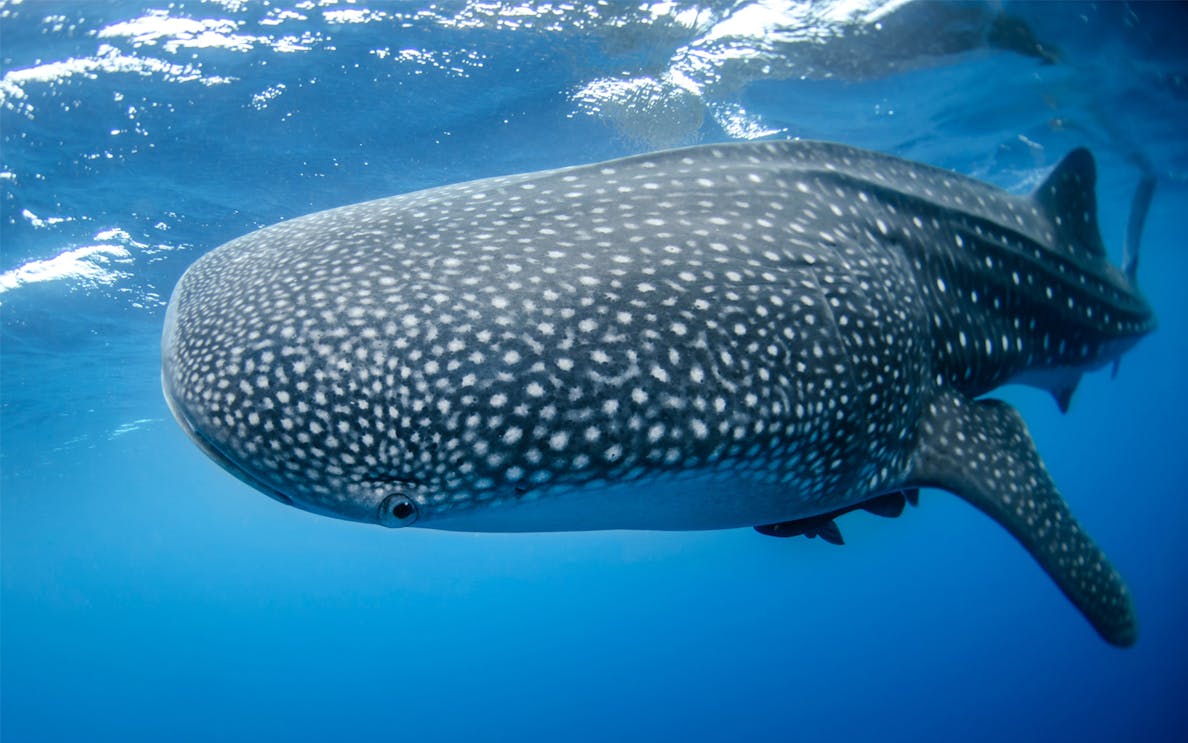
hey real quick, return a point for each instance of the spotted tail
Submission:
(982, 452)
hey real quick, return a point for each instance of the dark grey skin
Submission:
(714, 337)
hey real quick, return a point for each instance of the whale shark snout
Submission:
(236, 441)
(184, 420)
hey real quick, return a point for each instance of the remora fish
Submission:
(722, 336)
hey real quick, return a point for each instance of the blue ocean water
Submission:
(147, 595)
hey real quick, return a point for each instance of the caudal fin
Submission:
(982, 452)
(1139, 206)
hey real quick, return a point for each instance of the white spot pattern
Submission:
(775, 311)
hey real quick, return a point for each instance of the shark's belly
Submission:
(715, 498)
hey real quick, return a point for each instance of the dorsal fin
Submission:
(1067, 197)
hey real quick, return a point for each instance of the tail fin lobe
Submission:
(1139, 206)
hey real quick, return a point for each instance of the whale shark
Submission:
(763, 334)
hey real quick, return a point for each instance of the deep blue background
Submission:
(149, 596)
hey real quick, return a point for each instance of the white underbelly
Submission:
(690, 502)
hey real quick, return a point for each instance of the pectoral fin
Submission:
(981, 451)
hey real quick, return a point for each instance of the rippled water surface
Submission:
(148, 595)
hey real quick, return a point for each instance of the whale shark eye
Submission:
(397, 510)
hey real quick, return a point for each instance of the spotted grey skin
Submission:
(720, 336)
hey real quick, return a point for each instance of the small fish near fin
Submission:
(827, 531)
(888, 505)
(982, 452)
(814, 526)
(1068, 198)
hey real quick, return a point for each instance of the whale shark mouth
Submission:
(212, 451)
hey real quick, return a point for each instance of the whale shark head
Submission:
(253, 398)
(236, 443)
